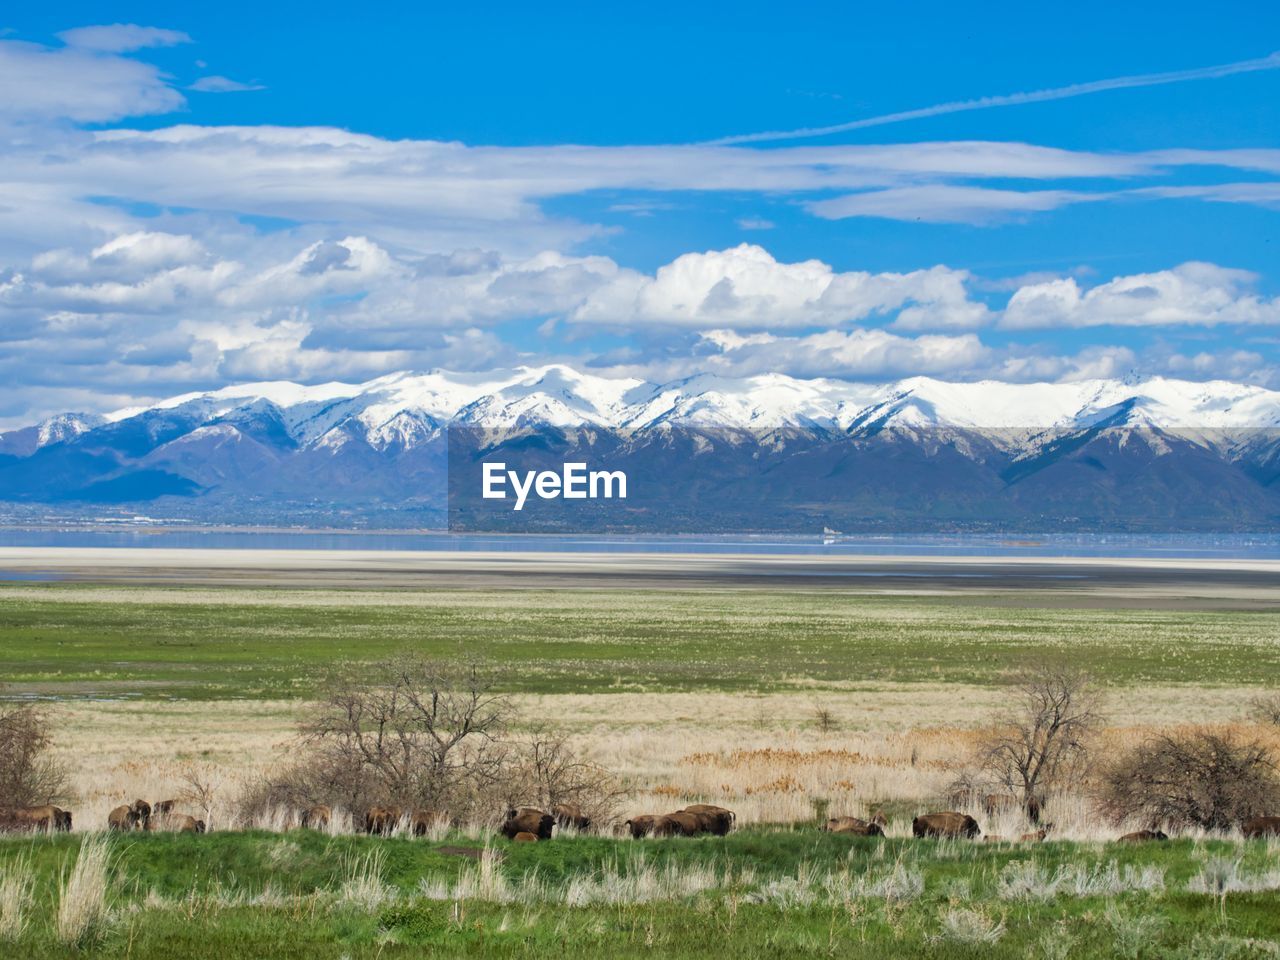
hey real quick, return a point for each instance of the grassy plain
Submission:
(199, 643)
(756, 893)
(708, 693)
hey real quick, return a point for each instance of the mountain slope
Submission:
(789, 451)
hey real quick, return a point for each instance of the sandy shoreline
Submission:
(1122, 580)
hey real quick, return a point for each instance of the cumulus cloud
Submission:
(852, 354)
(158, 309)
(745, 287)
(1201, 294)
(184, 257)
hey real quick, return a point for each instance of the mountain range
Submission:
(768, 452)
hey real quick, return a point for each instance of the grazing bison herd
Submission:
(141, 815)
(530, 824)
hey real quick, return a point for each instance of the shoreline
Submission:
(312, 558)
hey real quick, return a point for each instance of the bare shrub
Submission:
(1265, 708)
(545, 771)
(1198, 778)
(199, 790)
(1042, 741)
(824, 719)
(429, 736)
(28, 774)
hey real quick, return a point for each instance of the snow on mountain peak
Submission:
(403, 409)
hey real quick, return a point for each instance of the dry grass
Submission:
(17, 882)
(760, 755)
(83, 910)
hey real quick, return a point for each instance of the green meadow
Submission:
(73, 640)
(757, 893)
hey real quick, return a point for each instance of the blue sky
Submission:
(201, 196)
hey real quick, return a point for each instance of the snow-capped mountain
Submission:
(282, 450)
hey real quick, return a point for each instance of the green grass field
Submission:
(203, 643)
(757, 893)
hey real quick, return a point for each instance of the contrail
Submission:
(1271, 62)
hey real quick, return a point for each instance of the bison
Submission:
(648, 824)
(685, 824)
(45, 817)
(317, 817)
(123, 818)
(1261, 827)
(717, 820)
(176, 823)
(948, 824)
(524, 836)
(1144, 836)
(854, 826)
(181, 823)
(133, 816)
(527, 820)
(570, 815)
(381, 820)
(163, 808)
(1036, 837)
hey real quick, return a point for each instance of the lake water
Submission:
(1219, 546)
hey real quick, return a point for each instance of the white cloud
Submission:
(121, 37)
(217, 84)
(1091, 363)
(183, 257)
(44, 84)
(1191, 294)
(943, 203)
(1261, 194)
(746, 288)
(853, 354)
(429, 195)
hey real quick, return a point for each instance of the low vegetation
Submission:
(759, 892)
(430, 731)
(202, 643)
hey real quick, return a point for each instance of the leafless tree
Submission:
(547, 771)
(1042, 741)
(199, 790)
(411, 733)
(28, 774)
(1199, 778)
(426, 735)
